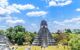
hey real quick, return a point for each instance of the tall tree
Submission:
(10, 33)
(20, 31)
(68, 31)
(76, 31)
(19, 28)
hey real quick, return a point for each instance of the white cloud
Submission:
(2, 10)
(3, 3)
(59, 23)
(78, 9)
(6, 8)
(11, 9)
(11, 21)
(23, 7)
(15, 8)
(7, 18)
(65, 3)
(36, 13)
(59, 2)
(73, 20)
(15, 21)
(73, 23)
(52, 3)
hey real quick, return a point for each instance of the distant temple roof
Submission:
(43, 23)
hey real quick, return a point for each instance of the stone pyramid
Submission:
(44, 37)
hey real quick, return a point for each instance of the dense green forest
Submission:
(18, 35)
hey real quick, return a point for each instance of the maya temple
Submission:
(44, 37)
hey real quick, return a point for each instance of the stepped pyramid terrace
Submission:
(44, 37)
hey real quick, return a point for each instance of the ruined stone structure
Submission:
(44, 37)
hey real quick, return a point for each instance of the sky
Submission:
(59, 14)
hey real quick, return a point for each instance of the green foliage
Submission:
(74, 41)
(19, 37)
(20, 41)
(69, 38)
(2, 32)
(61, 38)
(76, 31)
(55, 36)
(17, 34)
(29, 37)
(32, 36)
(19, 28)
(68, 31)
(10, 33)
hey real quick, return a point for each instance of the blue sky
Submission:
(59, 14)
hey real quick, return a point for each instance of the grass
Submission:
(20, 47)
(58, 47)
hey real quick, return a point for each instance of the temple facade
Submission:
(44, 37)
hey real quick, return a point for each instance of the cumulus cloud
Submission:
(52, 3)
(8, 10)
(11, 21)
(5, 8)
(73, 23)
(15, 21)
(73, 20)
(23, 7)
(59, 2)
(36, 13)
(4, 18)
(78, 9)
(3, 3)
(15, 8)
